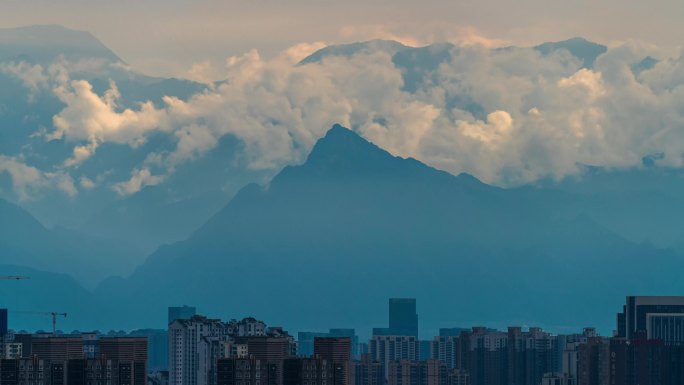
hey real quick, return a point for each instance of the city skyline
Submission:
(645, 349)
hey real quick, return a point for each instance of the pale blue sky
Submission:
(168, 36)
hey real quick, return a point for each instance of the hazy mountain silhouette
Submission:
(26, 242)
(334, 237)
(42, 44)
(46, 292)
(153, 217)
(23, 111)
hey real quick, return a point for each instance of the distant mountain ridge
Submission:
(26, 242)
(42, 44)
(354, 221)
(581, 48)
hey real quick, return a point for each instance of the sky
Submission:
(166, 37)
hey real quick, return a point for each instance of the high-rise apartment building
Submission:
(248, 371)
(63, 360)
(54, 349)
(314, 371)
(93, 371)
(367, 371)
(305, 341)
(337, 352)
(386, 349)
(531, 354)
(186, 337)
(128, 356)
(333, 348)
(197, 344)
(446, 349)
(406, 372)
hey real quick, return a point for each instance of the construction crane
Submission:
(53, 314)
(54, 320)
(14, 277)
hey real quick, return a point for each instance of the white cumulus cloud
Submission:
(508, 116)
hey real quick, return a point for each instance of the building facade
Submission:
(406, 372)
(386, 349)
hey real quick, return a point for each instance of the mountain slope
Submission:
(46, 292)
(25, 242)
(27, 108)
(388, 46)
(42, 44)
(356, 222)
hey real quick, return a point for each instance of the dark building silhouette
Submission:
(63, 360)
(248, 371)
(451, 332)
(403, 319)
(593, 362)
(270, 351)
(349, 333)
(333, 348)
(367, 371)
(267, 348)
(406, 372)
(645, 362)
(53, 349)
(314, 371)
(531, 354)
(90, 372)
(654, 317)
(501, 358)
(3, 322)
(337, 352)
(305, 340)
(129, 359)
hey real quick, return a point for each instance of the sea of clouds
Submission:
(508, 116)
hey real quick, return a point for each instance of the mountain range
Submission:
(331, 238)
(354, 222)
(353, 225)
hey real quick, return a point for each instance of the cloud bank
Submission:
(508, 116)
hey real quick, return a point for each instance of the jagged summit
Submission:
(342, 143)
(343, 152)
